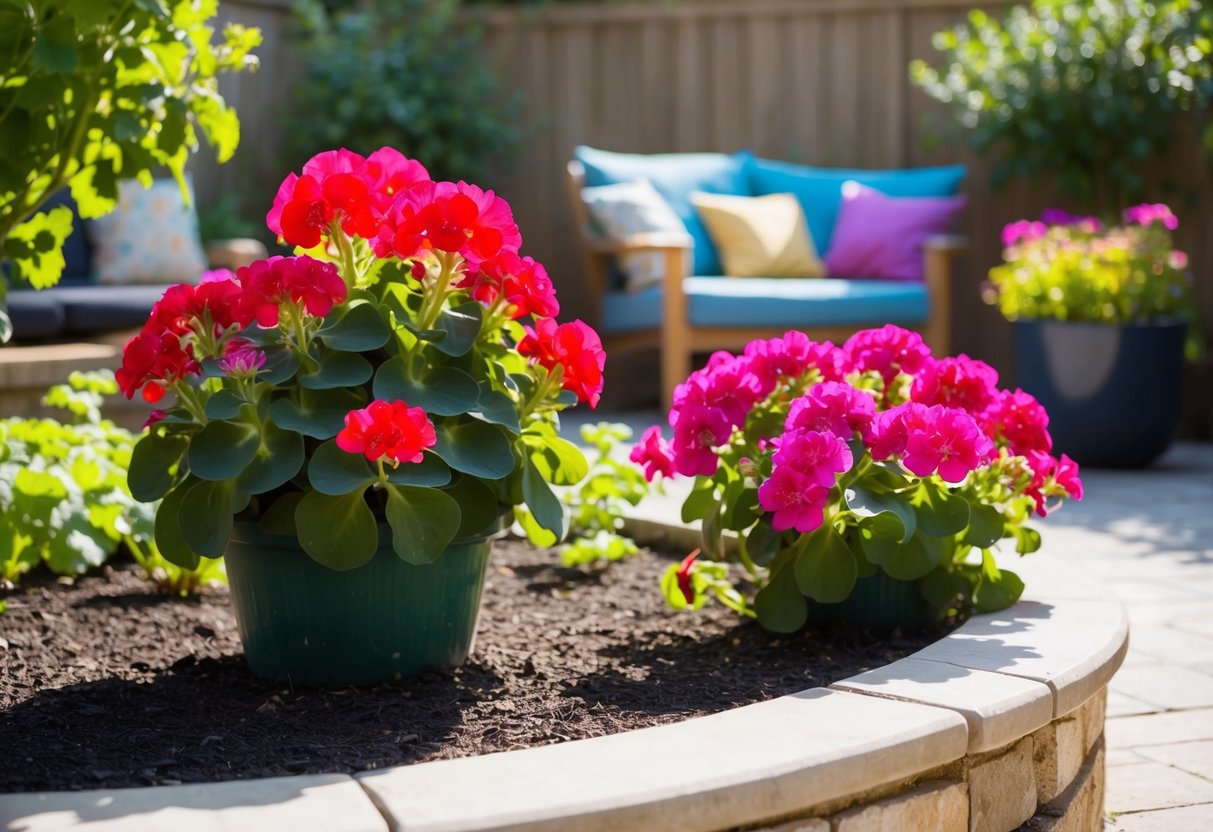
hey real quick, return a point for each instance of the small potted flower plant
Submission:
(870, 482)
(353, 424)
(1101, 314)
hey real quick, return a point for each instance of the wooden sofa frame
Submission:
(677, 340)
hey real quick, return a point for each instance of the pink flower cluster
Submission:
(1031, 230)
(944, 417)
(1148, 214)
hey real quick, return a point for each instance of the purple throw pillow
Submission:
(882, 236)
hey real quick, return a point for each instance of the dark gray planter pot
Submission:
(1113, 392)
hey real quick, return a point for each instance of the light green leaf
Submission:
(939, 512)
(423, 520)
(338, 532)
(542, 503)
(986, 525)
(825, 568)
(35, 247)
(917, 558)
(888, 514)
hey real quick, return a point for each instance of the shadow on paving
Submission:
(210, 719)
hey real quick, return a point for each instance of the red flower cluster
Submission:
(573, 346)
(523, 283)
(454, 217)
(267, 284)
(389, 430)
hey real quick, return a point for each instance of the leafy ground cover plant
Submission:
(383, 374)
(831, 463)
(597, 504)
(1071, 268)
(93, 92)
(63, 494)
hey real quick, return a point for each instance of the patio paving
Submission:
(1148, 537)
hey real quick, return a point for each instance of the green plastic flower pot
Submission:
(310, 625)
(879, 602)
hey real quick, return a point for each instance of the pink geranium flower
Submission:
(1023, 230)
(575, 347)
(1020, 422)
(888, 351)
(311, 284)
(793, 500)
(653, 454)
(957, 382)
(944, 440)
(833, 407)
(1148, 214)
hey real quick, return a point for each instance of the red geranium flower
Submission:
(574, 346)
(389, 173)
(523, 282)
(152, 357)
(454, 217)
(391, 430)
(269, 283)
(334, 184)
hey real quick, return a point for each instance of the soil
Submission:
(105, 683)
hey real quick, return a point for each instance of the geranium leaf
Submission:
(279, 518)
(423, 520)
(780, 605)
(461, 324)
(358, 329)
(477, 505)
(545, 506)
(475, 448)
(997, 589)
(334, 472)
(337, 531)
(169, 539)
(986, 525)
(205, 516)
(279, 458)
(825, 568)
(913, 560)
(337, 369)
(224, 404)
(558, 460)
(152, 460)
(889, 515)
(430, 472)
(222, 449)
(497, 408)
(319, 414)
(938, 511)
(441, 390)
(280, 365)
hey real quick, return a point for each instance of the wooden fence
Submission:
(823, 82)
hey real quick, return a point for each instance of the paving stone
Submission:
(1157, 729)
(1121, 705)
(321, 802)
(1002, 790)
(1168, 687)
(1173, 645)
(774, 758)
(1194, 757)
(1136, 788)
(1186, 819)
(1123, 757)
(999, 709)
(932, 807)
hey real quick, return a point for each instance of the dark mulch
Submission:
(105, 683)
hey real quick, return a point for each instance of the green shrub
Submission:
(597, 503)
(64, 500)
(1090, 91)
(407, 74)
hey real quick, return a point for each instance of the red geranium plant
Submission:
(405, 366)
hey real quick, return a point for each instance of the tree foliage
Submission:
(94, 91)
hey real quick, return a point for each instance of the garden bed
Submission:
(105, 683)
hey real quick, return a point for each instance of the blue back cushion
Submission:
(675, 176)
(820, 189)
(77, 251)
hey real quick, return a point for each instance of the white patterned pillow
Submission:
(634, 207)
(151, 236)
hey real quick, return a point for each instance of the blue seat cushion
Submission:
(819, 190)
(774, 302)
(675, 176)
(35, 315)
(96, 309)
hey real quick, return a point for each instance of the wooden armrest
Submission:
(946, 243)
(639, 243)
(232, 254)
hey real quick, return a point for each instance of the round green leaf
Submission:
(337, 369)
(545, 506)
(986, 525)
(169, 539)
(423, 520)
(780, 606)
(280, 365)
(205, 516)
(497, 408)
(221, 450)
(477, 506)
(825, 568)
(558, 460)
(476, 448)
(915, 559)
(359, 329)
(441, 390)
(890, 516)
(152, 461)
(429, 472)
(334, 472)
(462, 327)
(224, 404)
(319, 414)
(938, 511)
(279, 458)
(279, 518)
(338, 532)
(997, 589)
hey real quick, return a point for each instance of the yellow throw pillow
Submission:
(760, 236)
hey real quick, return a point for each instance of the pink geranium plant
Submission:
(832, 463)
(403, 366)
